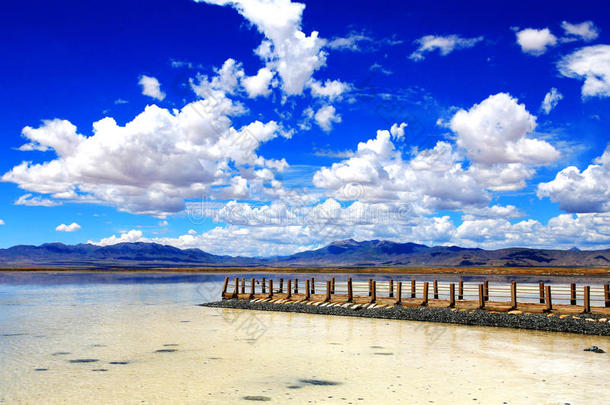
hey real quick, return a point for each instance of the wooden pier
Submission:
(562, 299)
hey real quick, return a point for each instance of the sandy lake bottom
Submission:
(149, 343)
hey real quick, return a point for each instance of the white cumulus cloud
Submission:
(535, 41)
(496, 137)
(581, 192)
(363, 222)
(351, 42)
(126, 237)
(398, 131)
(591, 64)
(258, 85)
(587, 31)
(225, 81)
(73, 227)
(563, 231)
(444, 44)
(151, 87)
(551, 99)
(495, 149)
(330, 89)
(36, 201)
(433, 178)
(153, 163)
(326, 116)
(286, 49)
(57, 135)
(495, 211)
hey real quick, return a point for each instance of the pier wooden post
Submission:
(587, 299)
(307, 290)
(243, 285)
(425, 301)
(541, 288)
(481, 297)
(370, 287)
(607, 295)
(264, 285)
(350, 291)
(549, 300)
(373, 291)
(513, 295)
(461, 290)
(224, 286)
(281, 285)
(398, 293)
(435, 287)
(313, 286)
(391, 288)
(572, 294)
(252, 288)
(236, 287)
(296, 285)
(451, 295)
(289, 288)
(413, 289)
(270, 288)
(332, 285)
(486, 290)
(327, 291)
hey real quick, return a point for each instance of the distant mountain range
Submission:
(347, 253)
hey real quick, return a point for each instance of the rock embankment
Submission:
(587, 324)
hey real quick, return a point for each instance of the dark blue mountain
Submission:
(136, 254)
(346, 253)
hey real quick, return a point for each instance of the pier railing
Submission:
(501, 297)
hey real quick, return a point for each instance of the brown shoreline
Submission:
(546, 271)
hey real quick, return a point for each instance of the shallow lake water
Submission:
(141, 339)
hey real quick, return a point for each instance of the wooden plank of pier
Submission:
(594, 302)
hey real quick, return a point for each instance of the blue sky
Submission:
(268, 126)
